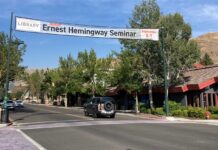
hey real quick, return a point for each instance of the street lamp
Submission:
(165, 73)
(18, 42)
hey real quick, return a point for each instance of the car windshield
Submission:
(9, 101)
(19, 101)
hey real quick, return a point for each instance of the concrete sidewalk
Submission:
(14, 139)
(197, 121)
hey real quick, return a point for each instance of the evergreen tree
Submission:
(206, 60)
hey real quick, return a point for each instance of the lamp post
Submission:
(6, 112)
(165, 73)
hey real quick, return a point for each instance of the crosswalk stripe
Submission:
(91, 123)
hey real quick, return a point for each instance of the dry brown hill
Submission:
(208, 43)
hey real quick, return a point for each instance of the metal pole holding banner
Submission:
(165, 73)
(6, 112)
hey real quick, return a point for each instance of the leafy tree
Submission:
(86, 74)
(92, 72)
(206, 60)
(66, 84)
(16, 53)
(179, 51)
(126, 74)
(34, 81)
(48, 86)
(146, 15)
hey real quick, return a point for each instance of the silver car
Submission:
(19, 103)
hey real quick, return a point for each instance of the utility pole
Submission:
(165, 73)
(6, 112)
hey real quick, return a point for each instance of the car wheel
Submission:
(108, 106)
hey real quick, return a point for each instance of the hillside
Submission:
(209, 43)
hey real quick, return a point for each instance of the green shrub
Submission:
(213, 110)
(214, 116)
(185, 113)
(148, 111)
(173, 106)
(201, 113)
(178, 113)
(142, 108)
(191, 112)
(158, 111)
(196, 112)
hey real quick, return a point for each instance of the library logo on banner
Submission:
(24, 24)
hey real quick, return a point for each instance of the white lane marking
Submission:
(91, 123)
(44, 122)
(40, 147)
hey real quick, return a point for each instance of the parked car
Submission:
(100, 106)
(1, 103)
(10, 105)
(19, 103)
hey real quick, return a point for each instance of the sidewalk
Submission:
(172, 119)
(199, 121)
(14, 139)
(142, 116)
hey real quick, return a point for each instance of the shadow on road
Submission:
(27, 113)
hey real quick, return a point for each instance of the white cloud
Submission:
(203, 12)
(210, 11)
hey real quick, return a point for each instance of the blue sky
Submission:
(43, 51)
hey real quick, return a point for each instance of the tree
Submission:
(34, 81)
(145, 15)
(206, 60)
(126, 74)
(16, 53)
(66, 72)
(49, 82)
(179, 51)
(92, 72)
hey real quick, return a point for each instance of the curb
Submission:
(209, 122)
(142, 116)
(5, 125)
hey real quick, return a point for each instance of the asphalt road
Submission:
(66, 129)
(40, 113)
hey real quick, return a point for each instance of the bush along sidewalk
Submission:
(177, 110)
(214, 112)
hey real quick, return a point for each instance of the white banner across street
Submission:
(32, 25)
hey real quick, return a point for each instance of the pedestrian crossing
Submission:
(76, 123)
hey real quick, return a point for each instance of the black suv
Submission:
(100, 106)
